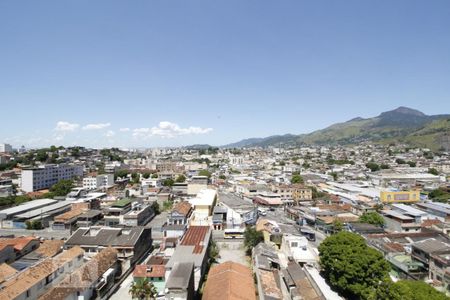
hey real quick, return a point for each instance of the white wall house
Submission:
(97, 182)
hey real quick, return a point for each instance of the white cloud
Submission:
(169, 130)
(96, 126)
(124, 129)
(66, 126)
(110, 133)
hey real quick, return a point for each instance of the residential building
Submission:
(6, 148)
(193, 248)
(180, 282)
(98, 182)
(36, 280)
(93, 279)
(139, 215)
(297, 248)
(203, 205)
(196, 184)
(131, 243)
(177, 219)
(20, 245)
(396, 221)
(228, 281)
(153, 273)
(298, 284)
(43, 177)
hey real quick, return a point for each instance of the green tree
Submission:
(168, 182)
(34, 225)
(213, 252)
(204, 173)
(373, 166)
(62, 187)
(384, 166)
(412, 164)
(433, 171)
(417, 290)
(154, 175)
(21, 199)
(252, 238)
(338, 226)
(135, 178)
(121, 174)
(180, 178)
(372, 218)
(316, 193)
(167, 205)
(335, 175)
(41, 155)
(156, 208)
(297, 178)
(223, 177)
(146, 175)
(400, 161)
(439, 195)
(143, 289)
(351, 267)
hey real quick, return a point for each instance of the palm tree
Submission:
(143, 289)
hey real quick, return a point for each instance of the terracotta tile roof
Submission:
(149, 271)
(69, 215)
(430, 223)
(394, 247)
(6, 272)
(269, 284)
(50, 248)
(182, 207)
(84, 277)
(195, 236)
(18, 243)
(156, 260)
(25, 280)
(229, 281)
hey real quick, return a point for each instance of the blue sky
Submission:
(169, 73)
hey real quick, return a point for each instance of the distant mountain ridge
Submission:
(403, 123)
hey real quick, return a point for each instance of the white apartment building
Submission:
(43, 177)
(97, 182)
(6, 148)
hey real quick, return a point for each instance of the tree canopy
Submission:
(373, 166)
(180, 178)
(439, 195)
(433, 171)
(62, 187)
(351, 267)
(204, 173)
(252, 238)
(168, 182)
(373, 218)
(297, 178)
(142, 289)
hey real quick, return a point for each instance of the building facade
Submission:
(43, 177)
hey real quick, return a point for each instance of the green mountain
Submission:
(401, 124)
